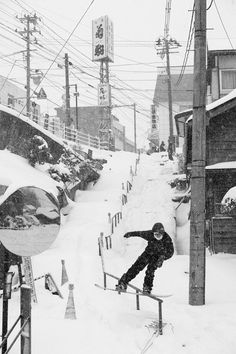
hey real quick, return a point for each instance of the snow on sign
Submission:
(41, 94)
(102, 40)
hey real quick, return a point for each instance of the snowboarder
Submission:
(160, 248)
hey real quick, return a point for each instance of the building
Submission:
(182, 99)
(220, 172)
(14, 97)
(221, 73)
(220, 167)
(89, 119)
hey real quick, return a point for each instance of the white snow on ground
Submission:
(108, 323)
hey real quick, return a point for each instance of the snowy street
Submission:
(105, 321)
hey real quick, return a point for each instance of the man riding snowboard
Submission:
(159, 248)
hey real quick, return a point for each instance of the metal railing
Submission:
(59, 129)
(138, 293)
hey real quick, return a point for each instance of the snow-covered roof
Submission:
(222, 165)
(218, 102)
(221, 100)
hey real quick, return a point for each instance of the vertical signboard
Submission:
(154, 118)
(103, 39)
(104, 95)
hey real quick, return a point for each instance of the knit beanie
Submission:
(158, 226)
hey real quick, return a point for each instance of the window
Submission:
(228, 80)
(10, 101)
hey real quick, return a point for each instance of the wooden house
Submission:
(220, 167)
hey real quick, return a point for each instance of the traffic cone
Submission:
(64, 276)
(70, 308)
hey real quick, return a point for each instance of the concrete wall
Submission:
(15, 134)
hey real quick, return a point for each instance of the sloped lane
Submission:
(150, 198)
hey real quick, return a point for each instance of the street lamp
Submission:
(76, 94)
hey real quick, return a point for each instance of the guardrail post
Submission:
(99, 247)
(105, 280)
(160, 318)
(131, 173)
(110, 221)
(26, 317)
(137, 300)
(101, 239)
(135, 171)
(107, 246)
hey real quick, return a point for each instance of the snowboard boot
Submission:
(121, 287)
(146, 289)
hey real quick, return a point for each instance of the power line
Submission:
(6, 78)
(208, 8)
(188, 46)
(64, 44)
(223, 24)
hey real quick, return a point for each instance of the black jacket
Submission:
(164, 247)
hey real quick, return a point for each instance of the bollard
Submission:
(101, 239)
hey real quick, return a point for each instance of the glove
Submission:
(127, 235)
(160, 261)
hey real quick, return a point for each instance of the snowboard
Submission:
(134, 293)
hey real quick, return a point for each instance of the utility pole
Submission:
(163, 45)
(197, 221)
(76, 94)
(28, 107)
(171, 136)
(135, 134)
(68, 120)
(26, 35)
(5, 301)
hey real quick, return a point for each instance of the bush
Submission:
(38, 151)
(228, 206)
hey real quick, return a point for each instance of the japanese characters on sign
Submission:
(154, 117)
(104, 94)
(102, 41)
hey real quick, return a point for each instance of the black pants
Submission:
(143, 260)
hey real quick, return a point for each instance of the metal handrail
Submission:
(160, 301)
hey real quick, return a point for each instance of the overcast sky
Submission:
(137, 24)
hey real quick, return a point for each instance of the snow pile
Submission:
(105, 321)
(16, 173)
